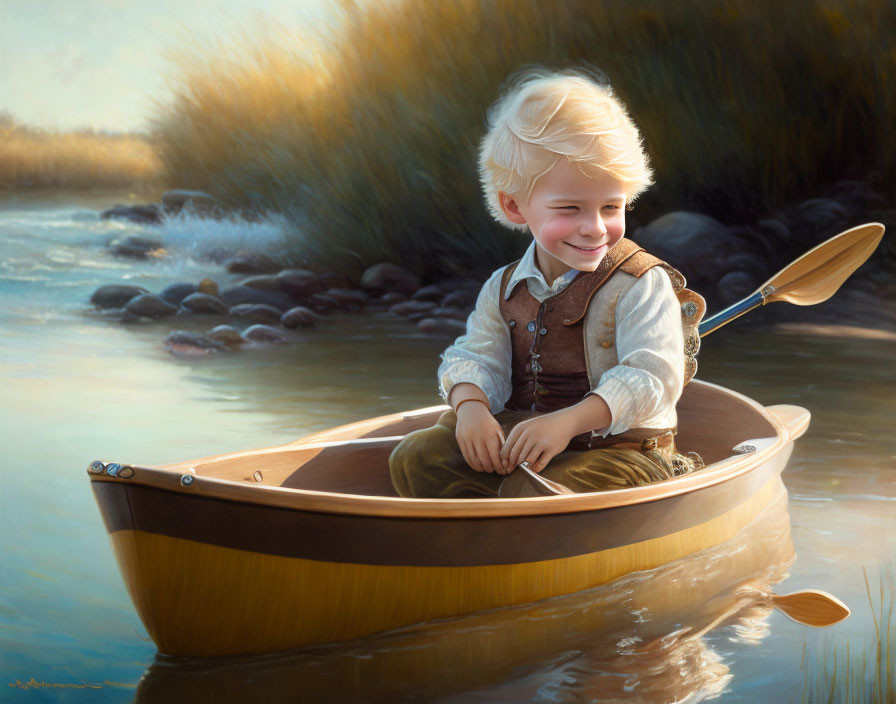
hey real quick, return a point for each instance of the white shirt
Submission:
(638, 370)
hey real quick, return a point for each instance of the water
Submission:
(77, 387)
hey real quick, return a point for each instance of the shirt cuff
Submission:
(471, 373)
(621, 401)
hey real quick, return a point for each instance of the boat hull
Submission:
(211, 576)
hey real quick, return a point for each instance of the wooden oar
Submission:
(811, 607)
(812, 278)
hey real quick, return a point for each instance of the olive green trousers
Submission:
(428, 463)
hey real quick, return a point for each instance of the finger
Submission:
(469, 458)
(507, 447)
(540, 461)
(485, 463)
(525, 449)
(493, 445)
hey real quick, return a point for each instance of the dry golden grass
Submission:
(35, 159)
(369, 146)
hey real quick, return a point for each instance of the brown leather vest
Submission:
(548, 364)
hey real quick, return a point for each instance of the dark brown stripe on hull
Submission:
(380, 540)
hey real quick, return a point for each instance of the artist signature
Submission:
(40, 684)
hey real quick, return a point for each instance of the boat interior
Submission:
(354, 459)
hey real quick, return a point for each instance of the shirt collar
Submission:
(527, 270)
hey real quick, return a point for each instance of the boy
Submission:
(577, 348)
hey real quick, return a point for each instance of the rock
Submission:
(252, 263)
(389, 277)
(392, 297)
(299, 317)
(144, 214)
(734, 286)
(428, 293)
(148, 305)
(449, 312)
(348, 298)
(136, 247)
(208, 286)
(196, 202)
(257, 312)
(695, 244)
(267, 282)
(204, 303)
(330, 279)
(185, 343)
(265, 333)
(406, 309)
(299, 283)
(441, 326)
(463, 298)
(819, 215)
(243, 294)
(115, 295)
(227, 334)
(456, 283)
(857, 196)
(755, 266)
(323, 303)
(175, 293)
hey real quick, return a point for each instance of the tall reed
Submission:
(366, 137)
(37, 159)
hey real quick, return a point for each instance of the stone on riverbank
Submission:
(389, 277)
(136, 247)
(203, 303)
(208, 286)
(265, 333)
(185, 343)
(236, 295)
(428, 293)
(176, 293)
(148, 305)
(265, 282)
(115, 295)
(257, 312)
(299, 283)
(227, 334)
(300, 317)
(252, 263)
(143, 214)
(348, 298)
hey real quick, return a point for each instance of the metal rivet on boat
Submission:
(649, 444)
(744, 449)
(543, 331)
(689, 308)
(96, 467)
(257, 476)
(126, 472)
(531, 326)
(512, 323)
(112, 469)
(186, 479)
(567, 321)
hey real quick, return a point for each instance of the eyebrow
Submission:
(574, 200)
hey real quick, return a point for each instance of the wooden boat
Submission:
(304, 543)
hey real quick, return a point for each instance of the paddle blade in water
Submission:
(811, 607)
(817, 275)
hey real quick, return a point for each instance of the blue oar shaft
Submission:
(730, 313)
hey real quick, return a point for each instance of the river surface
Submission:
(77, 387)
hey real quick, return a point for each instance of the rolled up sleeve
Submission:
(643, 388)
(481, 356)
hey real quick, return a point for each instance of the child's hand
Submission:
(537, 441)
(480, 438)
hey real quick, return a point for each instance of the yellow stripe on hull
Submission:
(201, 599)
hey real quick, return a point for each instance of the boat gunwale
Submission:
(168, 478)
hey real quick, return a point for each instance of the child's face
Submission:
(574, 219)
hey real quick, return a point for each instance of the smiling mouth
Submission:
(588, 249)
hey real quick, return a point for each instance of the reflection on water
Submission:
(76, 388)
(641, 637)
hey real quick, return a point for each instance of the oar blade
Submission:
(817, 275)
(811, 607)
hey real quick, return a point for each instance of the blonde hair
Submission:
(544, 115)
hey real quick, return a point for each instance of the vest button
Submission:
(512, 323)
(543, 331)
(531, 326)
(606, 345)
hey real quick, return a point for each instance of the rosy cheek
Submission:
(555, 229)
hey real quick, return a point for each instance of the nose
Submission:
(593, 226)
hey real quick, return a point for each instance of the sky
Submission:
(71, 64)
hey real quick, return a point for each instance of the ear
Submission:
(511, 209)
